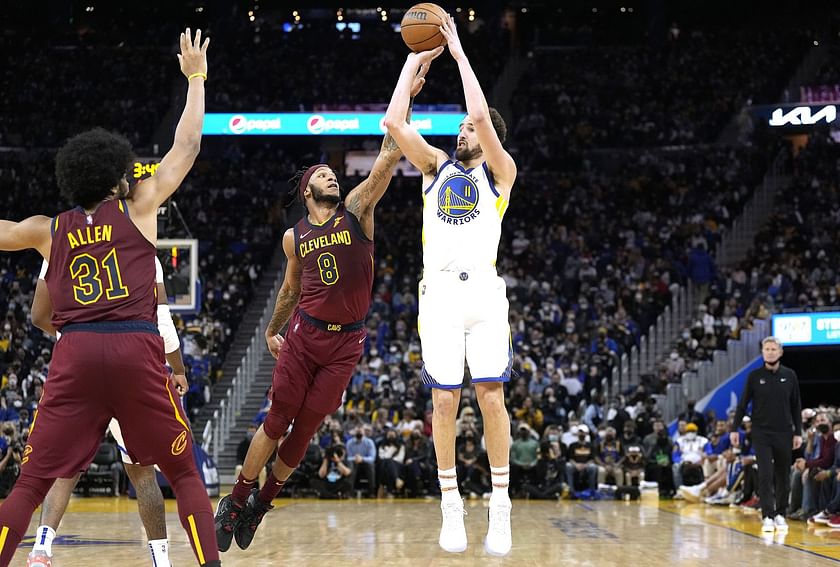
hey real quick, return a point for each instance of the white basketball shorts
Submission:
(464, 315)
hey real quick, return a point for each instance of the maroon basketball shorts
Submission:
(315, 365)
(101, 371)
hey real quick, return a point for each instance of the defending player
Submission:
(463, 307)
(326, 292)
(109, 360)
(149, 497)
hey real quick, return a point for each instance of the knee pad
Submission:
(276, 424)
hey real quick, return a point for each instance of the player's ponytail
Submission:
(293, 194)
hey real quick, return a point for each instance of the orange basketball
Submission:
(420, 26)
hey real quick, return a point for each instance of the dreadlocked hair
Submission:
(293, 194)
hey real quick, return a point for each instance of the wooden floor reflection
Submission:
(107, 531)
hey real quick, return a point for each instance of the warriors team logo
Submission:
(457, 200)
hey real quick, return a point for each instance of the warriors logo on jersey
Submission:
(462, 219)
(458, 199)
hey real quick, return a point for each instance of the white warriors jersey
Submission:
(462, 219)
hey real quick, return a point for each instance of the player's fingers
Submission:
(204, 46)
(183, 42)
(197, 41)
(189, 38)
(436, 53)
(180, 60)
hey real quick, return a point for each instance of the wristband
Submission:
(194, 75)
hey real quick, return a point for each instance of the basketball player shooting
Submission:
(463, 306)
(109, 360)
(326, 293)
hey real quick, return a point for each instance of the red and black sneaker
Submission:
(228, 518)
(252, 515)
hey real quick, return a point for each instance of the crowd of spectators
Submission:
(675, 92)
(583, 282)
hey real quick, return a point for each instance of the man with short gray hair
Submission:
(773, 390)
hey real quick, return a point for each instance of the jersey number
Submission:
(89, 286)
(328, 268)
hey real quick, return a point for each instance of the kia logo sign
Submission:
(317, 124)
(803, 116)
(240, 124)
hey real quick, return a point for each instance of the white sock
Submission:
(448, 480)
(500, 477)
(160, 552)
(43, 539)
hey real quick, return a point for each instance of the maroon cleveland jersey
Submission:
(101, 267)
(337, 268)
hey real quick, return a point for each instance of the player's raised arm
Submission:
(498, 160)
(363, 198)
(33, 232)
(424, 156)
(287, 297)
(180, 158)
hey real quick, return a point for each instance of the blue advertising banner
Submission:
(324, 124)
(807, 329)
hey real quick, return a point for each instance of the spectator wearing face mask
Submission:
(523, 458)
(609, 458)
(830, 515)
(581, 470)
(820, 448)
(361, 452)
(549, 474)
(659, 449)
(689, 454)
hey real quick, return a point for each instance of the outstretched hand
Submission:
(193, 56)
(425, 58)
(450, 32)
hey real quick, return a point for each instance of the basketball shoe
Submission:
(453, 535)
(498, 539)
(228, 517)
(250, 520)
(38, 558)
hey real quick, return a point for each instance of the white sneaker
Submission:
(780, 523)
(453, 535)
(691, 493)
(498, 540)
(821, 518)
(38, 558)
(767, 525)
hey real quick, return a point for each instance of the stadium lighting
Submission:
(524, 10)
(623, 9)
(89, 9)
(458, 10)
(594, 10)
(200, 9)
(816, 42)
(295, 13)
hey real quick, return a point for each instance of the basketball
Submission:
(420, 26)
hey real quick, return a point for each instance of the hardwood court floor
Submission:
(107, 531)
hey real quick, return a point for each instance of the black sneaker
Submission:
(228, 518)
(252, 515)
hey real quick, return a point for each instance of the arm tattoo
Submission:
(390, 152)
(286, 302)
(389, 144)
